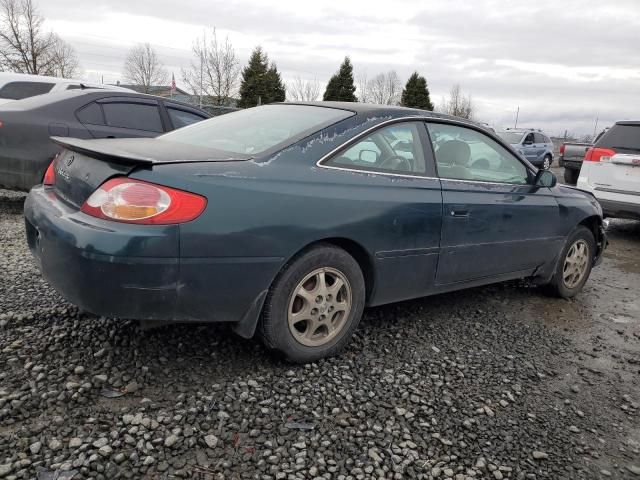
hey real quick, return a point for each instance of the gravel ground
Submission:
(497, 382)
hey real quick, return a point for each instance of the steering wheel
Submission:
(396, 162)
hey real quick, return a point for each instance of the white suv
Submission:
(16, 86)
(611, 171)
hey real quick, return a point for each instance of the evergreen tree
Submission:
(261, 82)
(416, 93)
(341, 88)
(276, 91)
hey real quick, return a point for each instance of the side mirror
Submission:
(545, 178)
(369, 156)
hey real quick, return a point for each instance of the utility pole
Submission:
(595, 128)
(204, 46)
(517, 115)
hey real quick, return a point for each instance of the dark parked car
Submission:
(26, 126)
(291, 218)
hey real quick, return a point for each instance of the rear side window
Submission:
(135, 116)
(182, 118)
(20, 90)
(91, 114)
(621, 137)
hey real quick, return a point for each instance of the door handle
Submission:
(459, 213)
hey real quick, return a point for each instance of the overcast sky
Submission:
(564, 63)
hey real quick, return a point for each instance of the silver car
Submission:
(533, 144)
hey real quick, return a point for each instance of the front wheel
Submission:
(546, 163)
(314, 305)
(574, 265)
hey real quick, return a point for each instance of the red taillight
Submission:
(595, 154)
(133, 201)
(562, 149)
(49, 176)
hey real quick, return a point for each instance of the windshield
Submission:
(511, 137)
(256, 130)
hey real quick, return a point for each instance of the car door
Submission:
(540, 145)
(391, 173)
(122, 117)
(496, 223)
(528, 147)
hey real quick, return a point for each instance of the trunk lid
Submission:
(84, 165)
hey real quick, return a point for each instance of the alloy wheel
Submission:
(547, 163)
(319, 307)
(575, 264)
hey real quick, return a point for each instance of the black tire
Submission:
(549, 159)
(571, 176)
(557, 285)
(274, 325)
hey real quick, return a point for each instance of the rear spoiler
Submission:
(102, 152)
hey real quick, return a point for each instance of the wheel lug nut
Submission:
(322, 317)
(314, 311)
(319, 299)
(331, 308)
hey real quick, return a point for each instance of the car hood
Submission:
(146, 150)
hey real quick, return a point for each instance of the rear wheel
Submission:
(574, 265)
(571, 176)
(314, 305)
(546, 163)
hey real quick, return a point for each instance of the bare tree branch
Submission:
(362, 89)
(457, 104)
(24, 45)
(300, 90)
(63, 60)
(384, 88)
(215, 72)
(143, 67)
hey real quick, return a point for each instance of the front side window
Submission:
(466, 154)
(257, 130)
(539, 138)
(20, 90)
(136, 116)
(396, 148)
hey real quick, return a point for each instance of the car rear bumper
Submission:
(128, 271)
(136, 271)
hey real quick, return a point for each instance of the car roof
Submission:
(372, 109)
(90, 94)
(9, 77)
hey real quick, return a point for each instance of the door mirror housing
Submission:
(545, 178)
